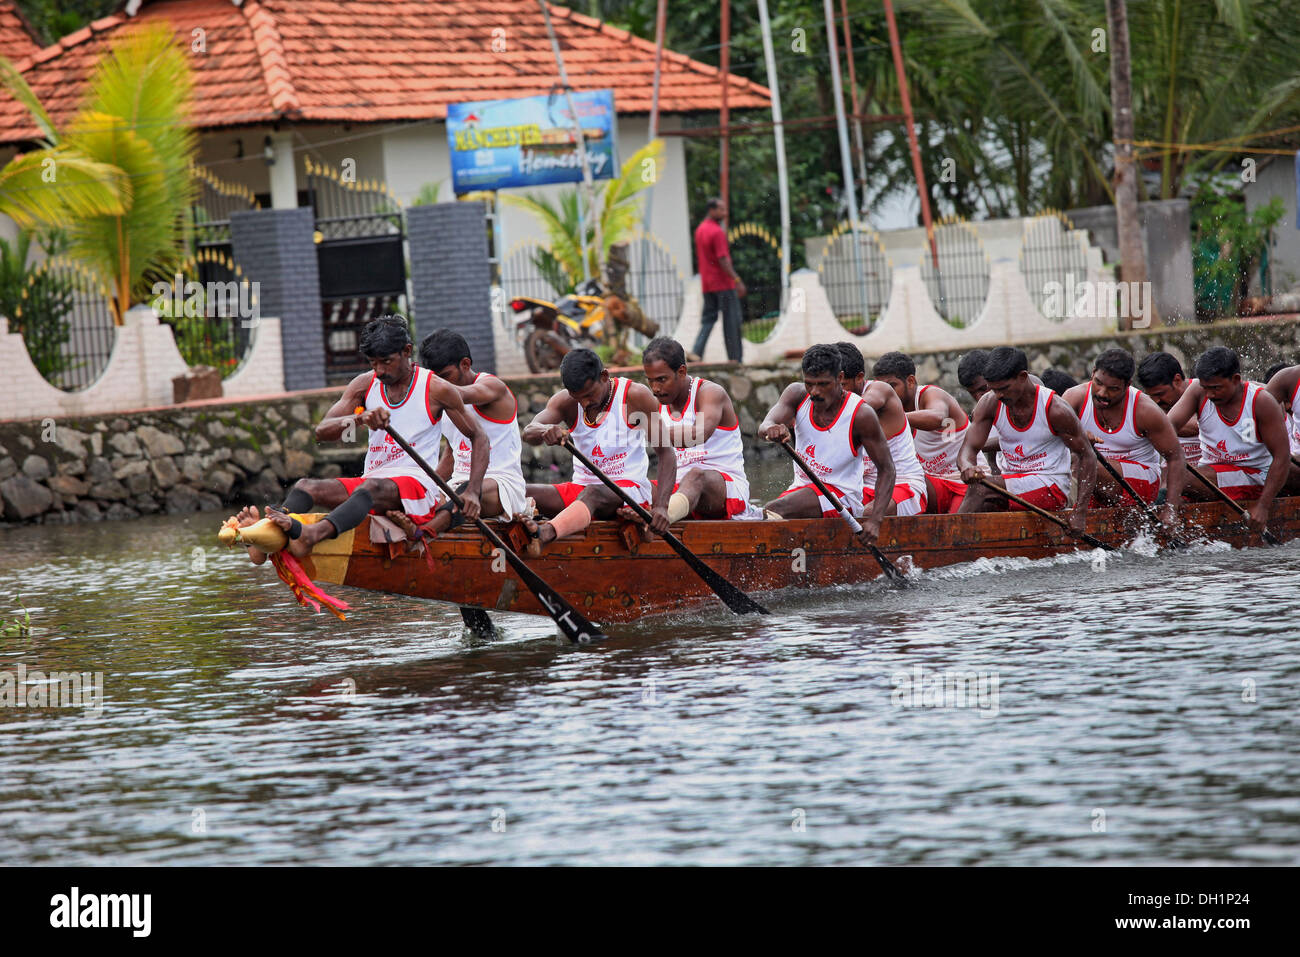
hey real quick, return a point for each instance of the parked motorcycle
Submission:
(591, 316)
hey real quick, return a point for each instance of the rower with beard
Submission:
(413, 400)
(832, 426)
(1037, 432)
(1160, 376)
(1131, 431)
(938, 425)
(699, 421)
(609, 421)
(446, 354)
(909, 493)
(1244, 447)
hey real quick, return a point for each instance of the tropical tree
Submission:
(56, 182)
(136, 118)
(619, 215)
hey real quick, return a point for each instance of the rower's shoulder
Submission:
(1076, 395)
(360, 383)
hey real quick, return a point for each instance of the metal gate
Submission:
(359, 249)
(210, 214)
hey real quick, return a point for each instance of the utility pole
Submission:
(778, 131)
(1133, 262)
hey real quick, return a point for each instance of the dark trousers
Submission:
(729, 303)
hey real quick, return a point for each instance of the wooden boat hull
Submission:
(612, 576)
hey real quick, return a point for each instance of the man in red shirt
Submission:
(718, 278)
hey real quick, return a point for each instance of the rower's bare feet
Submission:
(299, 547)
(402, 521)
(539, 532)
(249, 515)
(628, 514)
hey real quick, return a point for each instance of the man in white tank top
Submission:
(1244, 447)
(446, 354)
(395, 391)
(1284, 386)
(1037, 433)
(610, 421)
(831, 428)
(938, 425)
(1161, 377)
(701, 424)
(1131, 431)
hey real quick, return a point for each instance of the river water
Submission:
(1137, 711)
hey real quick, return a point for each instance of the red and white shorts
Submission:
(947, 494)
(569, 491)
(419, 500)
(910, 500)
(828, 510)
(1239, 482)
(1144, 479)
(737, 496)
(1038, 490)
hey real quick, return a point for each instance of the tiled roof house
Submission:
(16, 39)
(370, 80)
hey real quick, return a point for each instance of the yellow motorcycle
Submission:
(589, 317)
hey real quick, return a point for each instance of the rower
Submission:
(1037, 432)
(1058, 381)
(1131, 431)
(609, 421)
(970, 373)
(938, 429)
(908, 496)
(1283, 384)
(1244, 447)
(446, 354)
(412, 399)
(1161, 377)
(831, 428)
(701, 424)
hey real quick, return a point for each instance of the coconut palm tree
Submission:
(136, 118)
(54, 183)
(620, 214)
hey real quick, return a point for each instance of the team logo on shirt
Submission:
(597, 452)
(464, 446)
(1019, 452)
(810, 452)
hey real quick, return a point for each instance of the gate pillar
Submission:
(276, 248)
(451, 276)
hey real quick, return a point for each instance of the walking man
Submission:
(722, 286)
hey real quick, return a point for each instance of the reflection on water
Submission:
(1145, 713)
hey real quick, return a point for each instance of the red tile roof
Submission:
(16, 42)
(360, 61)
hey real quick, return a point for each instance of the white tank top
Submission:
(1236, 442)
(830, 452)
(413, 419)
(1293, 423)
(907, 467)
(613, 446)
(938, 451)
(723, 451)
(1035, 449)
(1191, 448)
(1126, 443)
(502, 436)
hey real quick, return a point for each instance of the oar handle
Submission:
(1030, 506)
(1234, 505)
(821, 487)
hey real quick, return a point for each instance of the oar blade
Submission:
(733, 597)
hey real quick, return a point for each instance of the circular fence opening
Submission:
(856, 274)
(960, 286)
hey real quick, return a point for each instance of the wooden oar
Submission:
(734, 598)
(1223, 497)
(576, 628)
(1030, 506)
(1150, 513)
(891, 572)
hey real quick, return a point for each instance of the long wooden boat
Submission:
(613, 576)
